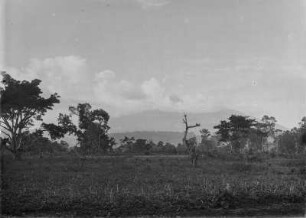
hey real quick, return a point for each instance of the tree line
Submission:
(23, 107)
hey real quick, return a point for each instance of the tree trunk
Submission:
(191, 148)
(15, 146)
(17, 155)
(194, 159)
(2, 160)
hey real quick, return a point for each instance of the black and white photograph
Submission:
(153, 108)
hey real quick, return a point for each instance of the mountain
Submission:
(156, 120)
(161, 121)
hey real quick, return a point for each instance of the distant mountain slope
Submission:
(155, 120)
(160, 121)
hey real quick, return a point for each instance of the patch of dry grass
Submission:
(123, 186)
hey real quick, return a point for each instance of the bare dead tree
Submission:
(191, 147)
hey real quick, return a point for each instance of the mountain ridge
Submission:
(157, 120)
(165, 121)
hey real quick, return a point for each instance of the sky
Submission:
(127, 56)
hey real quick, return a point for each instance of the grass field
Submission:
(152, 185)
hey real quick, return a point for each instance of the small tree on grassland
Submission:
(21, 105)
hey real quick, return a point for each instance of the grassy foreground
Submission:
(152, 185)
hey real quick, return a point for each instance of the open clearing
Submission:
(152, 185)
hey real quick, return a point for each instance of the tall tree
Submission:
(92, 129)
(21, 105)
(302, 135)
(205, 134)
(287, 142)
(206, 144)
(303, 139)
(268, 124)
(236, 130)
(302, 124)
(127, 144)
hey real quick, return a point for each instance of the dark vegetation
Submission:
(153, 185)
(247, 167)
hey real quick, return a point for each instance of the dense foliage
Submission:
(143, 146)
(91, 131)
(236, 130)
(243, 134)
(21, 104)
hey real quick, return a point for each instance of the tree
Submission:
(303, 139)
(181, 148)
(302, 135)
(287, 142)
(158, 148)
(141, 146)
(21, 105)
(206, 144)
(236, 131)
(268, 124)
(298, 135)
(294, 141)
(191, 145)
(127, 144)
(256, 139)
(63, 127)
(169, 148)
(223, 130)
(91, 132)
(302, 124)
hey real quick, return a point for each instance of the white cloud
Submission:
(147, 4)
(66, 75)
(152, 89)
(274, 92)
(105, 75)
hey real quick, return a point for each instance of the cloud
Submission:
(66, 75)
(270, 89)
(121, 96)
(72, 79)
(152, 89)
(175, 99)
(158, 97)
(105, 75)
(70, 76)
(124, 97)
(148, 4)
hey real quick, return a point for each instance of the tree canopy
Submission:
(22, 104)
(91, 131)
(235, 130)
